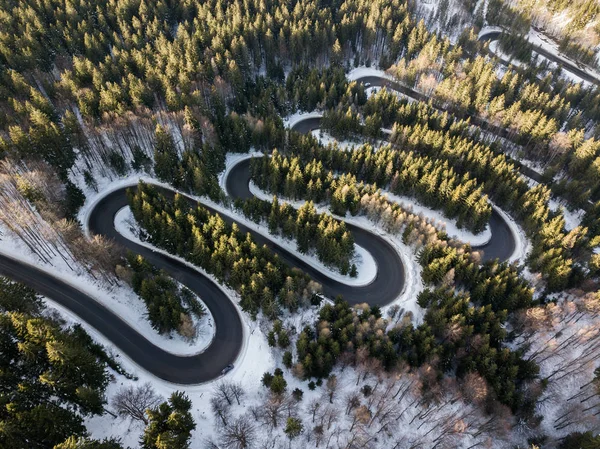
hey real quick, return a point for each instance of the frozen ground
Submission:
(547, 44)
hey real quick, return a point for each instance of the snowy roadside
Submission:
(362, 71)
(291, 120)
(440, 221)
(120, 299)
(542, 41)
(254, 359)
(539, 40)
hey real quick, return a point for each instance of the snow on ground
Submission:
(542, 41)
(537, 38)
(572, 218)
(325, 138)
(291, 120)
(440, 221)
(565, 347)
(254, 360)
(120, 299)
(231, 160)
(362, 71)
(495, 48)
(365, 264)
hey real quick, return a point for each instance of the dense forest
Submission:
(94, 92)
(263, 281)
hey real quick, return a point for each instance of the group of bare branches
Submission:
(32, 209)
(380, 409)
(563, 338)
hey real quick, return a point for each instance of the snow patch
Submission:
(361, 72)
(572, 218)
(440, 221)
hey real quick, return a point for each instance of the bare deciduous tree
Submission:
(220, 408)
(240, 434)
(223, 391)
(133, 402)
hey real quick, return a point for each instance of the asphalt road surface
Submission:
(386, 286)
(178, 369)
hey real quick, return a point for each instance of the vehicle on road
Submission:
(227, 369)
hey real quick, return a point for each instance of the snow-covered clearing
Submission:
(120, 299)
(572, 218)
(394, 400)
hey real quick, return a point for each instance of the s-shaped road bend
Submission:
(229, 334)
(228, 340)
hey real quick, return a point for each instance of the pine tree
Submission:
(170, 424)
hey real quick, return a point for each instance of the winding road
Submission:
(501, 245)
(229, 334)
(571, 66)
(378, 81)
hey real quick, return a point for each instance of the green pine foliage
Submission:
(205, 239)
(170, 424)
(310, 175)
(51, 376)
(167, 302)
(319, 232)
